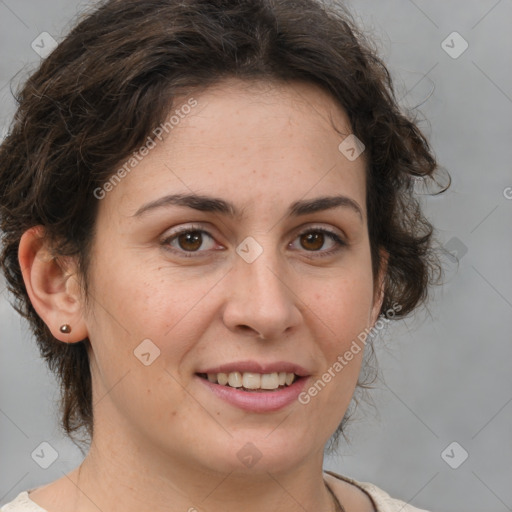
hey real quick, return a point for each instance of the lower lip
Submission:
(258, 401)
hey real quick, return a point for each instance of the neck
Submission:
(115, 475)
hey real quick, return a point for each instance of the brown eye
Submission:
(190, 241)
(312, 241)
(315, 239)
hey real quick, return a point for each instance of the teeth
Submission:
(249, 380)
(221, 378)
(271, 380)
(235, 379)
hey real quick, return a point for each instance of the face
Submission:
(261, 279)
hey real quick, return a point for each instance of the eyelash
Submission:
(340, 244)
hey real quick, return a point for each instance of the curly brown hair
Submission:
(114, 78)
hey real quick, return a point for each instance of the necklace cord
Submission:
(339, 507)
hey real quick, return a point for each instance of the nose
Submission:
(262, 299)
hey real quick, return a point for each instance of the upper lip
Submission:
(257, 367)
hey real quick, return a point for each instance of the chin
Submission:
(265, 451)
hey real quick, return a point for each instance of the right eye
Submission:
(189, 240)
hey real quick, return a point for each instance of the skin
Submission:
(160, 436)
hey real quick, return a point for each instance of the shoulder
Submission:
(22, 503)
(381, 500)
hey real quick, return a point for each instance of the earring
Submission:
(65, 328)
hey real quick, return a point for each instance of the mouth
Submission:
(252, 382)
(253, 386)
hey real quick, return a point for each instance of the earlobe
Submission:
(52, 289)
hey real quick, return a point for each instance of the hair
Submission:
(115, 77)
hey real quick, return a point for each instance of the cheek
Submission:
(164, 304)
(341, 313)
(343, 306)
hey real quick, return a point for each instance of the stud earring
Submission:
(65, 328)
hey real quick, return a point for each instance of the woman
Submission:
(207, 207)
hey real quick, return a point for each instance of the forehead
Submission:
(241, 139)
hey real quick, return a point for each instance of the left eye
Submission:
(314, 239)
(191, 240)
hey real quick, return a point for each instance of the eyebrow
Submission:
(217, 205)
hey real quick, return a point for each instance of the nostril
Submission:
(250, 330)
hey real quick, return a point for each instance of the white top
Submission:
(382, 501)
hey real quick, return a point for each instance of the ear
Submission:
(53, 289)
(378, 290)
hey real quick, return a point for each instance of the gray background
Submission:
(447, 370)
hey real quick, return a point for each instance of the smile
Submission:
(254, 398)
(250, 381)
